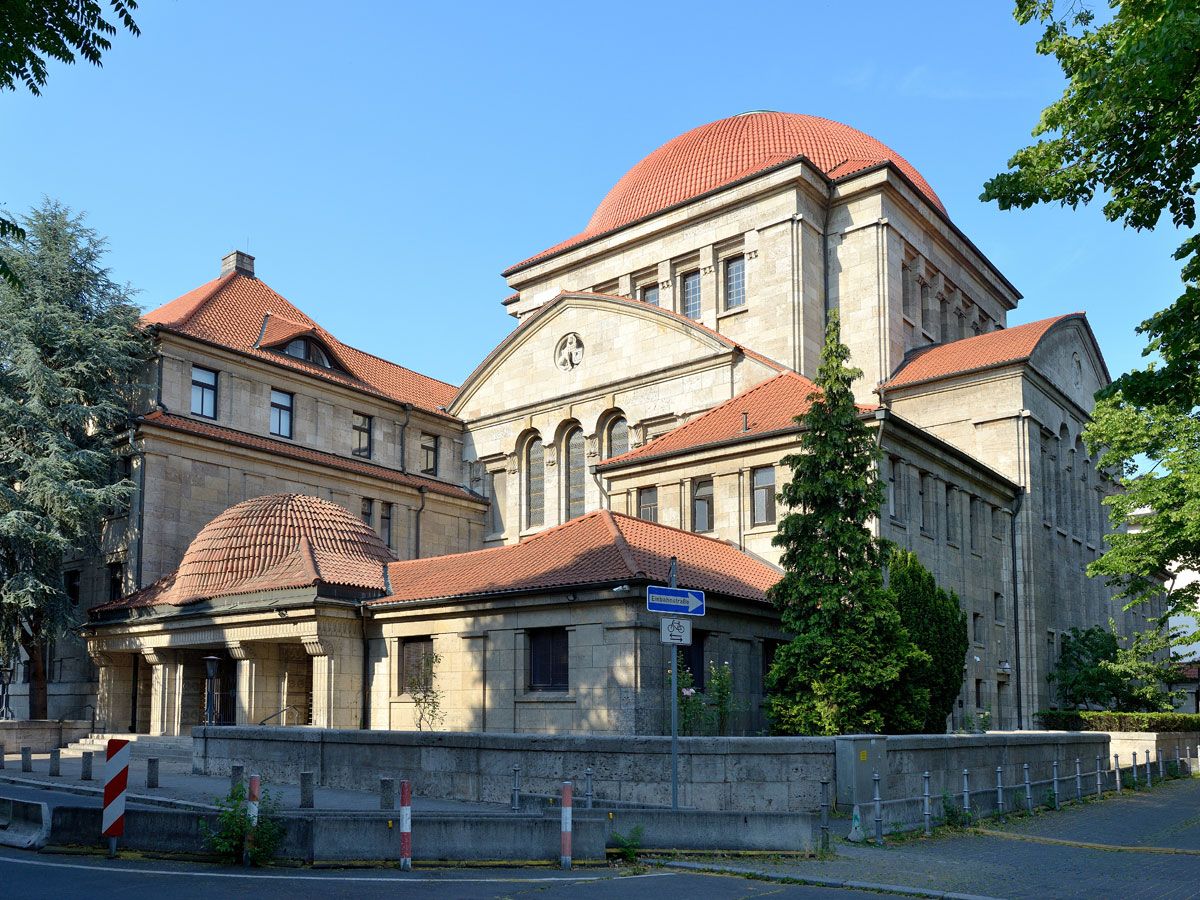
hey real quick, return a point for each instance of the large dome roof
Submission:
(725, 151)
(279, 540)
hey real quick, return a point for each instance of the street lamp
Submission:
(7, 670)
(210, 666)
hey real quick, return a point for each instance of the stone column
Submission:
(114, 695)
(336, 681)
(246, 712)
(164, 697)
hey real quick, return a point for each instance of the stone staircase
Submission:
(163, 747)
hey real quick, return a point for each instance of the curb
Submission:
(817, 881)
(81, 791)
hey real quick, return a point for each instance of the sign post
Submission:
(116, 777)
(675, 632)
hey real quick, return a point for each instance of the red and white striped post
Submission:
(116, 778)
(565, 860)
(252, 798)
(406, 826)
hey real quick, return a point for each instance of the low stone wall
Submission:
(747, 774)
(1123, 743)
(41, 735)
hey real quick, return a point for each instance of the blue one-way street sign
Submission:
(677, 601)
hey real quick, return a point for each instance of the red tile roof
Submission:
(973, 354)
(771, 407)
(598, 548)
(270, 543)
(726, 151)
(302, 454)
(230, 311)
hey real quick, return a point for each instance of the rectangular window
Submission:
(547, 668)
(647, 500)
(416, 664)
(71, 585)
(429, 454)
(735, 282)
(977, 628)
(979, 693)
(361, 436)
(928, 510)
(693, 658)
(494, 484)
(116, 581)
(976, 524)
(281, 413)
(204, 392)
(702, 505)
(998, 606)
(762, 495)
(368, 510)
(689, 295)
(649, 294)
(897, 489)
(385, 523)
(953, 526)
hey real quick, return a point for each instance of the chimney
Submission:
(237, 261)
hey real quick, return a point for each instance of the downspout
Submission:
(417, 527)
(605, 502)
(825, 259)
(141, 516)
(1016, 607)
(404, 435)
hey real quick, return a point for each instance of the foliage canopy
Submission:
(1096, 669)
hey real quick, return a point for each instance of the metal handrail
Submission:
(280, 713)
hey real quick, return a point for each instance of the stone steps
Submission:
(141, 745)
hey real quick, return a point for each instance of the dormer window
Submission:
(308, 350)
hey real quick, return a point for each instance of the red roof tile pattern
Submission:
(973, 354)
(230, 311)
(770, 407)
(267, 543)
(302, 454)
(597, 548)
(726, 151)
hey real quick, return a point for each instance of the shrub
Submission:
(234, 828)
(1090, 720)
(629, 846)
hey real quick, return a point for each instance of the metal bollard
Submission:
(1161, 774)
(55, 762)
(516, 790)
(925, 807)
(1078, 780)
(1133, 770)
(1054, 776)
(85, 766)
(1099, 783)
(565, 859)
(387, 793)
(1028, 790)
(825, 814)
(1, 756)
(152, 772)
(405, 826)
(1117, 770)
(999, 791)
(967, 793)
(878, 812)
(307, 794)
(587, 790)
(237, 775)
(26, 759)
(1149, 778)
(1178, 763)
(253, 794)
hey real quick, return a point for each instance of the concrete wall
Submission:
(1124, 743)
(745, 774)
(40, 736)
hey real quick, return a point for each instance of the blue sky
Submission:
(385, 161)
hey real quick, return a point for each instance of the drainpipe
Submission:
(1016, 607)
(825, 259)
(141, 513)
(417, 527)
(605, 502)
(404, 435)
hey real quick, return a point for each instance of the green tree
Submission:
(1097, 669)
(851, 666)
(936, 623)
(1078, 675)
(35, 32)
(71, 357)
(1126, 128)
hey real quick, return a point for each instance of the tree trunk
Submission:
(34, 649)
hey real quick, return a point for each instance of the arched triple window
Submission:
(573, 473)
(535, 483)
(616, 437)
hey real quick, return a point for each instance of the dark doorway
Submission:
(224, 691)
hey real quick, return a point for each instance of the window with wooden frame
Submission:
(548, 656)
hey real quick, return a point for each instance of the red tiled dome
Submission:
(279, 540)
(729, 149)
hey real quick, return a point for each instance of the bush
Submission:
(1090, 720)
(234, 828)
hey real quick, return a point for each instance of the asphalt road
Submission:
(34, 876)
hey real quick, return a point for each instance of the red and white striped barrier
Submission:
(565, 861)
(252, 798)
(116, 778)
(405, 826)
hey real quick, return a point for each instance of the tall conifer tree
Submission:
(850, 666)
(71, 356)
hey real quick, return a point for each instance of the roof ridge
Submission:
(622, 545)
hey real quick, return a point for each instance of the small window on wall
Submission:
(734, 271)
(647, 504)
(762, 495)
(71, 585)
(977, 629)
(953, 527)
(702, 505)
(617, 441)
(649, 294)
(361, 436)
(548, 659)
(979, 693)
(928, 509)
(689, 295)
(897, 490)
(281, 413)
(998, 606)
(368, 510)
(204, 392)
(416, 664)
(385, 524)
(429, 454)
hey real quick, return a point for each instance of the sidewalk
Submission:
(179, 787)
(1055, 854)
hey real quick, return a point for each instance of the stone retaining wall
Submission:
(1123, 743)
(41, 735)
